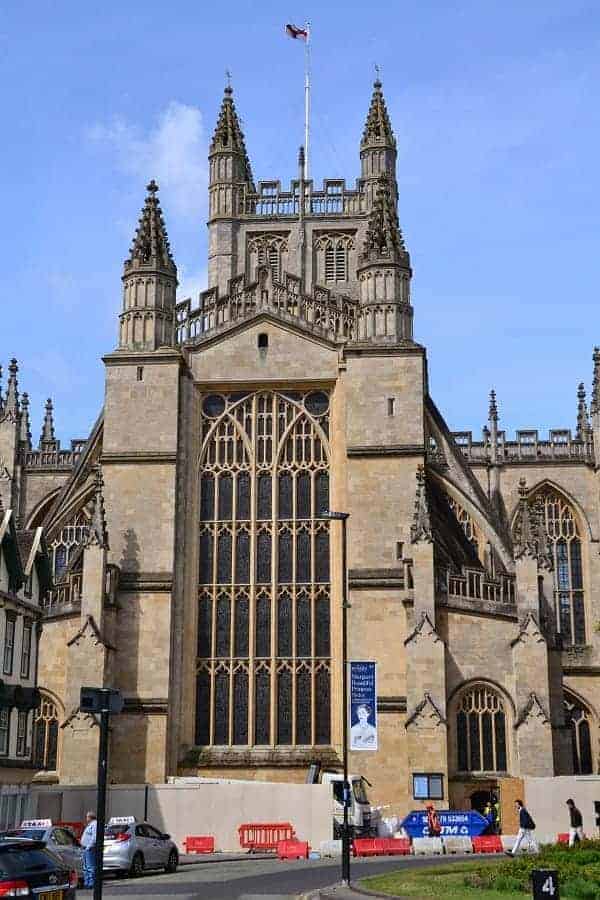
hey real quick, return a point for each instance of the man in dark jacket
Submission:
(576, 827)
(526, 829)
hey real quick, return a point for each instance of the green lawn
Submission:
(497, 879)
(441, 881)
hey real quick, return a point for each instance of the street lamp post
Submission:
(343, 518)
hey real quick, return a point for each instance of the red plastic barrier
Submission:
(264, 835)
(292, 849)
(562, 838)
(487, 843)
(381, 846)
(199, 844)
(75, 827)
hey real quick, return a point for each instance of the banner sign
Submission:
(468, 824)
(363, 706)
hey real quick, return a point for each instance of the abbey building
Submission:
(193, 565)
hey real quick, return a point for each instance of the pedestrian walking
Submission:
(433, 822)
(88, 842)
(576, 826)
(526, 829)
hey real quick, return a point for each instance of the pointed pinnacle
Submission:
(383, 236)
(151, 244)
(228, 135)
(47, 435)
(582, 416)
(378, 128)
(25, 429)
(595, 404)
(12, 393)
(493, 408)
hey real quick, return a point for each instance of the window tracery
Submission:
(333, 257)
(564, 538)
(468, 525)
(264, 655)
(66, 543)
(481, 731)
(45, 734)
(268, 250)
(580, 720)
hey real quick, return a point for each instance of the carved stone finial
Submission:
(25, 426)
(150, 245)
(582, 414)
(493, 408)
(420, 529)
(11, 405)
(152, 187)
(595, 404)
(98, 533)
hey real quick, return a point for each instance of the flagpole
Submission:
(306, 100)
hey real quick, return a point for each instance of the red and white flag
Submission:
(297, 33)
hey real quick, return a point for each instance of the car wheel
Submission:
(172, 862)
(137, 865)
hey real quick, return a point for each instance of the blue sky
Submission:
(495, 107)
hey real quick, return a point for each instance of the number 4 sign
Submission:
(545, 884)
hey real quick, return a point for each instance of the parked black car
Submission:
(29, 869)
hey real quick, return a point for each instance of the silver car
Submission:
(130, 847)
(59, 840)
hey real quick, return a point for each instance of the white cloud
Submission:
(173, 151)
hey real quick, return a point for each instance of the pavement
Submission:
(255, 877)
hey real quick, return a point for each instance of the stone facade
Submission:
(194, 568)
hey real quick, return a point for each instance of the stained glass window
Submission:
(481, 731)
(579, 718)
(264, 666)
(45, 734)
(562, 530)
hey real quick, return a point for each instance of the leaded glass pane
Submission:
(462, 742)
(284, 626)
(242, 558)
(303, 707)
(263, 557)
(303, 496)
(52, 750)
(303, 625)
(262, 706)
(579, 618)
(303, 557)
(322, 556)
(586, 765)
(501, 762)
(207, 498)
(225, 497)
(576, 572)
(240, 706)
(241, 627)
(285, 496)
(321, 494)
(223, 625)
(564, 606)
(203, 708)
(488, 742)
(243, 496)
(206, 557)
(204, 626)
(264, 497)
(481, 731)
(285, 557)
(322, 626)
(263, 626)
(224, 558)
(221, 708)
(284, 707)
(474, 753)
(323, 707)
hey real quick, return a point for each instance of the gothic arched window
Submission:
(66, 542)
(481, 731)
(333, 257)
(264, 655)
(564, 538)
(580, 720)
(45, 734)
(468, 525)
(267, 250)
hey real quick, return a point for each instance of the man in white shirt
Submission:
(88, 842)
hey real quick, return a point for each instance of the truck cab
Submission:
(362, 817)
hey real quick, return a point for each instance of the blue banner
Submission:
(363, 706)
(462, 824)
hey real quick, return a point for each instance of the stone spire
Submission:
(582, 414)
(378, 148)
(149, 283)
(493, 427)
(150, 245)
(98, 533)
(595, 404)
(25, 425)
(11, 404)
(420, 529)
(229, 138)
(378, 128)
(47, 439)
